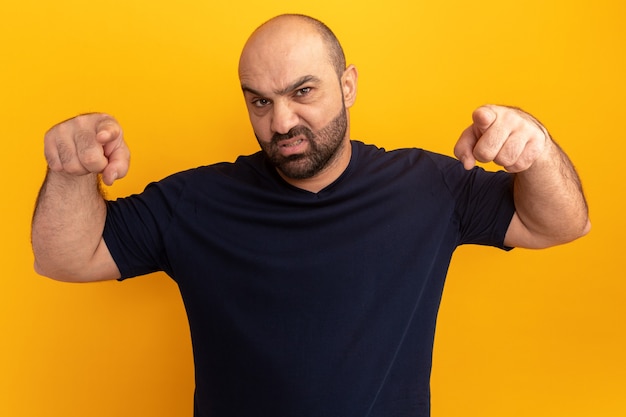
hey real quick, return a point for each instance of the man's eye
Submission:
(260, 102)
(303, 91)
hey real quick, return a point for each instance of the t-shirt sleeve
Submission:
(484, 204)
(136, 227)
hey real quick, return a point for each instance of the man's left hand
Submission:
(507, 136)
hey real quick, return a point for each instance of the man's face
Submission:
(295, 101)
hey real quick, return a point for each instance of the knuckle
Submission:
(509, 155)
(85, 143)
(66, 153)
(82, 136)
(483, 155)
(68, 160)
(88, 157)
(53, 163)
(505, 161)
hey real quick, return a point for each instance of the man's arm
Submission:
(550, 207)
(70, 211)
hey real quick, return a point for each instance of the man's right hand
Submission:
(89, 143)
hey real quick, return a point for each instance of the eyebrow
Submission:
(291, 87)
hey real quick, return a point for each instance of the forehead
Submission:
(275, 57)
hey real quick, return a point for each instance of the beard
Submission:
(323, 149)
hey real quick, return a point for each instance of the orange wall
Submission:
(520, 334)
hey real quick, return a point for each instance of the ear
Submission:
(348, 85)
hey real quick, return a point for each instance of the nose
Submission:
(284, 118)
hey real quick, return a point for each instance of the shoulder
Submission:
(424, 168)
(413, 161)
(370, 152)
(244, 169)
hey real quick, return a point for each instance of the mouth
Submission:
(292, 146)
(291, 143)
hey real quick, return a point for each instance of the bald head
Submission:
(289, 28)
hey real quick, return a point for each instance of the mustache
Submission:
(293, 132)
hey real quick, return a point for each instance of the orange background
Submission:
(526, 333)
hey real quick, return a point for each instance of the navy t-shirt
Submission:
(311, 304)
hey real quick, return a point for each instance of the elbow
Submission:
(520, 235)
(65, 268)
(74, 271)
(67, 272)
(54, 273)
(571, 234)
(578, 232)
(585, 230)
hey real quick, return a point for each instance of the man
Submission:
(312, 271)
